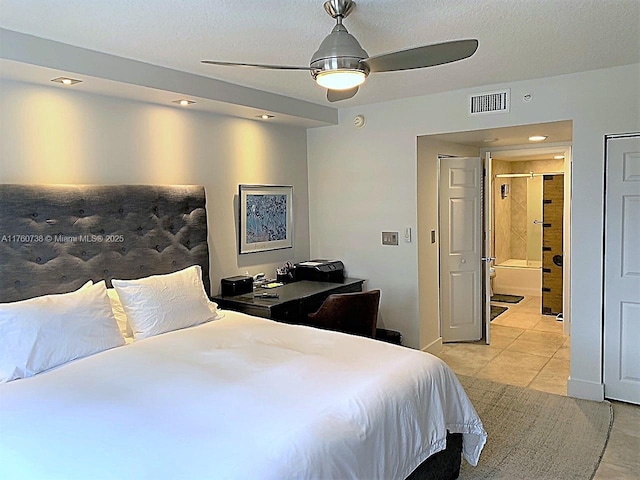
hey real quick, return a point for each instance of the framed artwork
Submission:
(266, 218)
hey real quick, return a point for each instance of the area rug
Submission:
(535, 435)
(498, 297)
(496, 310)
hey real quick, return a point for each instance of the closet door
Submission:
(622, 270)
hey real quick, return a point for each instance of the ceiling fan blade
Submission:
(420, 57)
(255, 65)
(337, 95)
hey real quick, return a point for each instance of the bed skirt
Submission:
(444, 465)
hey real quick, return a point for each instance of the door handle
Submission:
(538, 222)
(488, 259)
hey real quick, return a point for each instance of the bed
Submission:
(224, 395)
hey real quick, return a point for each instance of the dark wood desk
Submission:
(295, 300)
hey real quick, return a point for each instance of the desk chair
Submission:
(354, 313)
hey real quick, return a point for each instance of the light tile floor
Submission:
(529, 350)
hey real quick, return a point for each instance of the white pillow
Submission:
(44, 332)
(123, 322)
(162, 303)
(119, 314)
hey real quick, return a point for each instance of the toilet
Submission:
(492, 275)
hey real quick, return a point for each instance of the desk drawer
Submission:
(288, 312)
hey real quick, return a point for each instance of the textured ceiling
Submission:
(519, 39)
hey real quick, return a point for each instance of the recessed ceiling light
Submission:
(264, 116)
(558, 157)
(184, 102)
(537, 138)
(66, 81)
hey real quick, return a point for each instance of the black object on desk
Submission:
(320, 270)
(295, 300)
(236, 285)
(266, 295)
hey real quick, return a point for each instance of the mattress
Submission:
(236, 398)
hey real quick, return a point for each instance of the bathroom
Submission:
(528, 218)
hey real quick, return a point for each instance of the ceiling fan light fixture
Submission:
(341, 65)
(340, 79)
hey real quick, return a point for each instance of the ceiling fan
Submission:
(340, 64)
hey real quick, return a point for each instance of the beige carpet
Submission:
(535, 435)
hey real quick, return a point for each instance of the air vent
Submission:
(490, 102)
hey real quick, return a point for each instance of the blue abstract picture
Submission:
(266, 218)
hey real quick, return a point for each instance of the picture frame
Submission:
(266, 218)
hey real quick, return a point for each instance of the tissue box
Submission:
(236, 285)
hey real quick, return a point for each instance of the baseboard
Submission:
(586, 390)
(435, 347)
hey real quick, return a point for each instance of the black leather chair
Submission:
(355, 313)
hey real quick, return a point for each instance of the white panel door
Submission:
(622, 270)
(460, 249)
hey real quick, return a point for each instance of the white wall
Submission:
(54, 135)
(363, 181)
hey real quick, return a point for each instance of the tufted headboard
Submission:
(53, 238)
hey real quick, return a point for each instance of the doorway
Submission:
(523, 221)
(474, 144)
(530, 234)
(528, 227)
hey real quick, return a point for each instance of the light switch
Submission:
(390, 238)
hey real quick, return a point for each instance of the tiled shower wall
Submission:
(518, 233)
(501, 213)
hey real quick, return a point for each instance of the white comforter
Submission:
(236, 398)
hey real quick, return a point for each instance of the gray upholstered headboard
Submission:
(53, 238)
